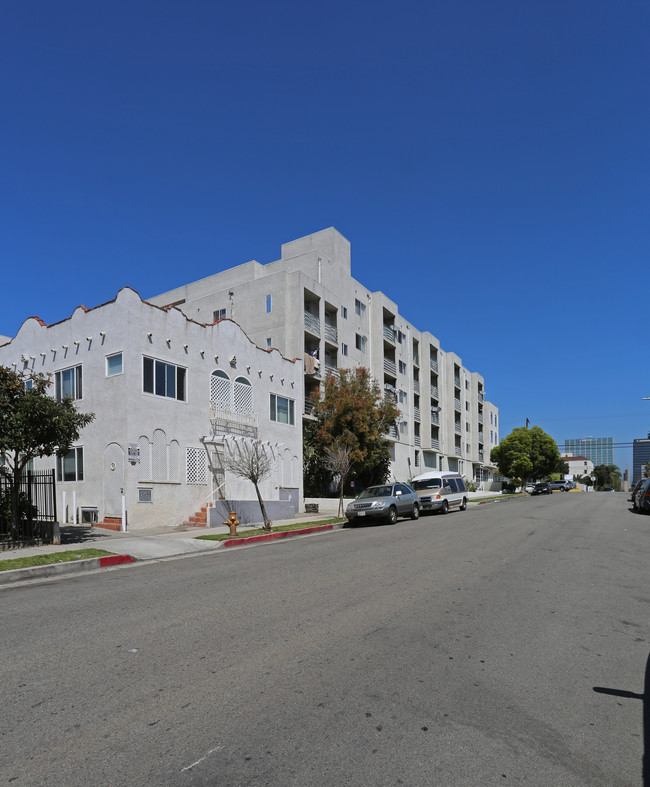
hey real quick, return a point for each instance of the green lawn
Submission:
(53, 557)
(259, 532)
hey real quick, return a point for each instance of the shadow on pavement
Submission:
(79, 534)
(645, 698)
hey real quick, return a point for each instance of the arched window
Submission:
(243, 396)
(145, 458)
(220, 390)
(159, 456)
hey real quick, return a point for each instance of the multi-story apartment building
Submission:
(174, 400)
(308, 305)
(599, 449)
(640, 456)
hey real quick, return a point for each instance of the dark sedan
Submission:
(543, 488)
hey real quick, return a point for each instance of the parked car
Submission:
(642, 498)
(636, 488)
(387, 502)
(562, 485)
(542, 488)
(440, 491)
(529, 488)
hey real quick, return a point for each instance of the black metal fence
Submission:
(36, 510)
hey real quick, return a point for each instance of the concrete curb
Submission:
(57, 569)
(233, 542)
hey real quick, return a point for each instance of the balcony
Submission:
(416, 386)
(435, 417)
(223, 422)
(435, 444)
(389, 333)
(457, 404)
(331, 334)
(331, 371)
(480, 396)
(389, 366)
(480, 437)
(309, 406)
(416, 359)
(458, 429)
(480, 456)
(393, 433)
(480, 418)
(416, 413)
(457, 380)
(458, 451)
(312, 323)
(433, 364)
(435, 392)
(416, 439)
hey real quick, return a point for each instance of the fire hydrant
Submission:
(232, 523)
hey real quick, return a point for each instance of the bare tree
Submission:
(339, 462)
(250, 460)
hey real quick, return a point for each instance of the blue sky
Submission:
(496, 151)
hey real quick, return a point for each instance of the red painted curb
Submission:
(115, 560)
(231, 542)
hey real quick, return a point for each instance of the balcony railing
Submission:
(435, 417)
(331, 334)
(389, 366)
(224, 422)
(312, 323)
(480, 418)
(457, 404)
(435, 444)
(433, 364)
(416, 359)
(481, 455)
(416, 386)
(435, 392)
(331, 370)
(309, 406)
(416, 439)
(389, 334)
(458, 451)
(480, 396)
(458, 429)
(416, 413)
(480, 437)
(392, 432)
(457, 381)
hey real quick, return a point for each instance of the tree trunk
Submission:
(267, 521)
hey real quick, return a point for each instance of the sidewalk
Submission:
(150, 544)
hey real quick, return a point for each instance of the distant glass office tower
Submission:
(640, 456)
(599, 449)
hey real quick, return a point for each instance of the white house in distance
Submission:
(173, 399)
(578, 465)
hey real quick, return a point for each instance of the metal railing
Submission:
(457, 404)
(389, 366)
(435, 444)
(435, 417)
(416, 386)
(331, 334)
(416, 413)
(312, 322)
(433, 364)
(230, 422)
(435, 392)
(36, 510)
(389, 334)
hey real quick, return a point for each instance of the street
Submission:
(507, 644)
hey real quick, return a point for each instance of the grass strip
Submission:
(51, 558)
(259, 532)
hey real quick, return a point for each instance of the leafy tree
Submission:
(33, 424)
(527, 454)
(352, 414)
(251, 461)
(607, 475)
(646, 471)
(587, 480)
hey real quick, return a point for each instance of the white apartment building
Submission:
(309, 306)
(173, 400)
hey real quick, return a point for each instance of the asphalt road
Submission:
(504, 645)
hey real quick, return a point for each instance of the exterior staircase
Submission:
(199, 519)
(110, 523)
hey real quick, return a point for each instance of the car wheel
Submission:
(415, 514)
(392, 515)
(463, 505)
(444, 508)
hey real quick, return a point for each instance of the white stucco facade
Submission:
(173, 397)
(308, 302)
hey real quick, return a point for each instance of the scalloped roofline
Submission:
(87, 310)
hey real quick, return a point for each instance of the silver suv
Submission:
(386, 502)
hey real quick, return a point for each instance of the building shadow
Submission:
(645, 699)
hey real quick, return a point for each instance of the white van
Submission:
(440, 491)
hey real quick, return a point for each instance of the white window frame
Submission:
(359, 308)
(290, 409)
(157, 362)
(77, 379)
(78, 458)
(114, 355)
(218, 314)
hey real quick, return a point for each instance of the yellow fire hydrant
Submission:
(232, 523)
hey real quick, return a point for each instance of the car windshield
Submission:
(427, 483)
(377, 491)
